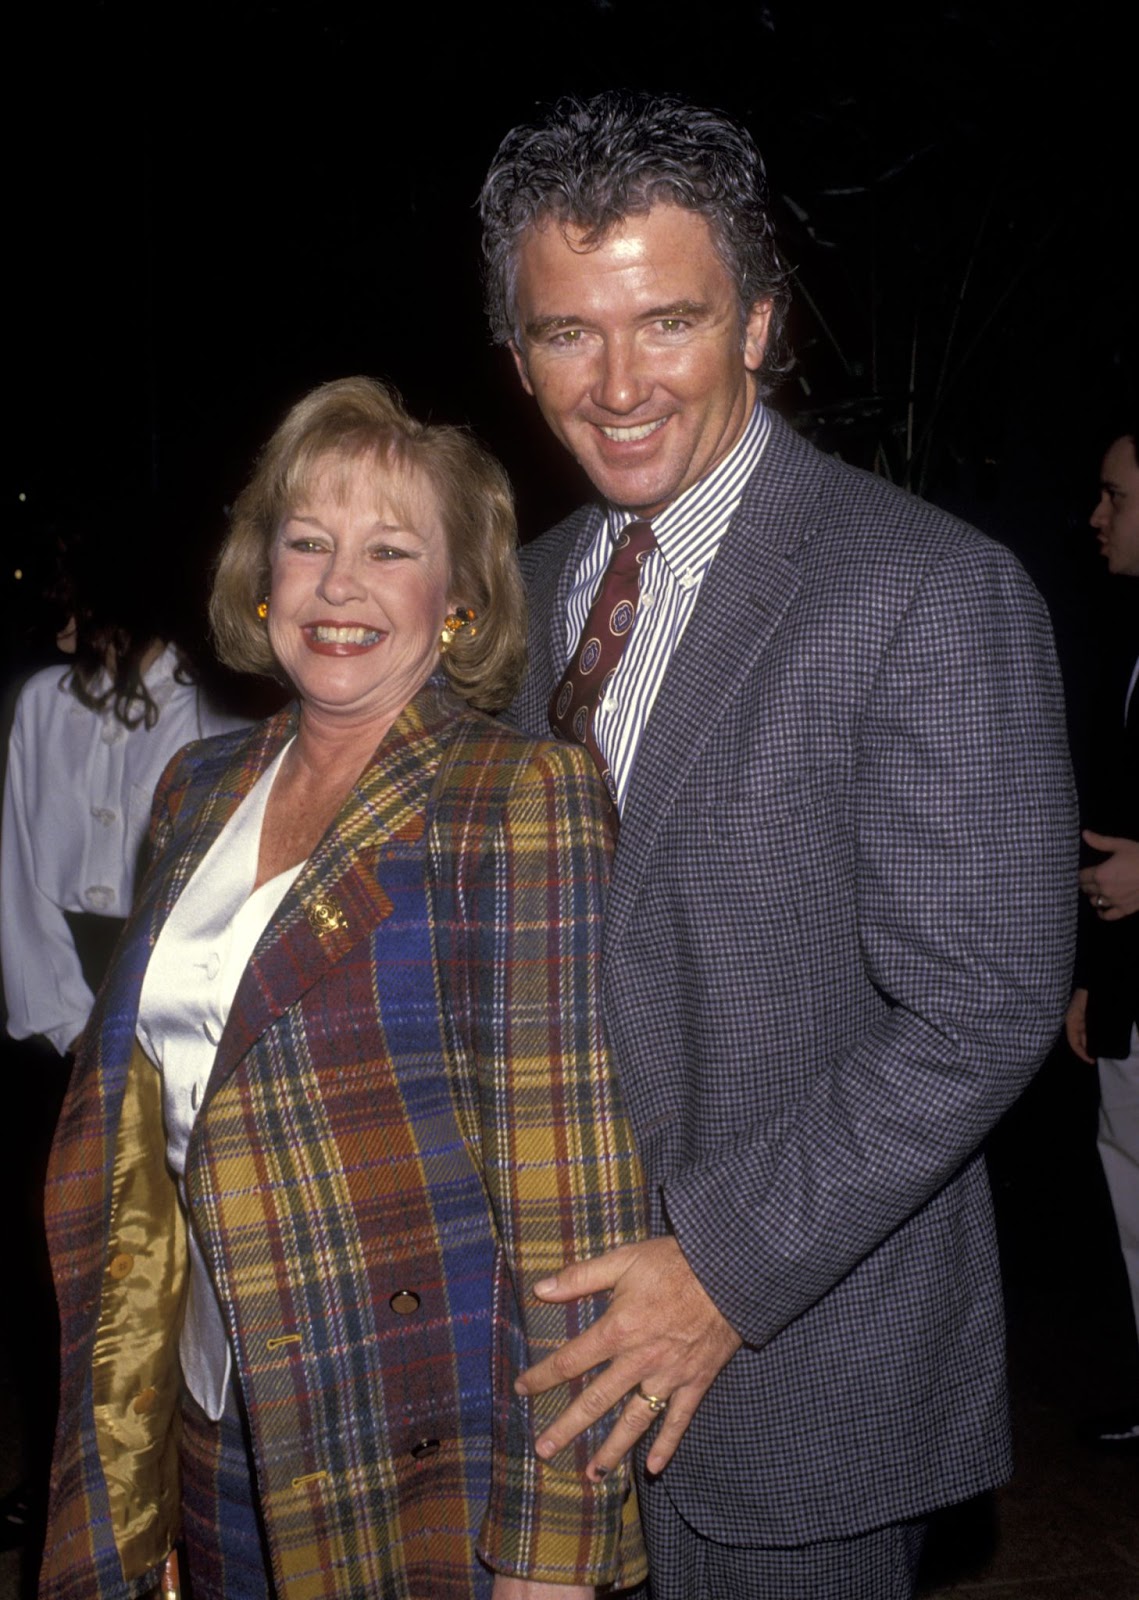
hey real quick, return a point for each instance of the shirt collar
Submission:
(689, 530)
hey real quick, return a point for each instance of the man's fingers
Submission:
(1102, 841)
(580, 1278)
(672, 1429)
(593, 1402)
(590, 1349)
(637, 1418)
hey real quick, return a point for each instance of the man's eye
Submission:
(566, 336)
(672, 324)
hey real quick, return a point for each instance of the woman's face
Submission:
(359, 587)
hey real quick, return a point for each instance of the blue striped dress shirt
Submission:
(688, 534)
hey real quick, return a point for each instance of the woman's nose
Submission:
(340, 581)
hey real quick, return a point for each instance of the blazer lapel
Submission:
(549, 602)
(746, 591)
(339, 897)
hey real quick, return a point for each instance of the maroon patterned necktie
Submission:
(607, 629)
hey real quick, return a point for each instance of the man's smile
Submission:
(632, 432)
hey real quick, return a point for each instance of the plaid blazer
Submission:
(347, 1190)
(838, 943)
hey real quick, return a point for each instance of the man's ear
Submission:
(756, 333)
(520, 366)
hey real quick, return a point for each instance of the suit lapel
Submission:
(555, 562)
(339, 897)
(747, 590)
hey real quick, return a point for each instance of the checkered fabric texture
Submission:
(838, 943)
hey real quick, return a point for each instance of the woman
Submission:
(404, 1117)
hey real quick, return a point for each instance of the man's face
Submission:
(635, 353)
(1116, 516)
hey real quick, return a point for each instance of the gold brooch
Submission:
(324, 915)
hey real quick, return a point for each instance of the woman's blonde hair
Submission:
(360, 420)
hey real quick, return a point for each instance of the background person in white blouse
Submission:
(88, 744)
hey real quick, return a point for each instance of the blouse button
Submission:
(424, 1449)
(404, 1302)
(145, 1402)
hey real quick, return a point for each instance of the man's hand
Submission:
(510, 1588)
(660, 1331)
(1076, 1026)
(1112, 885)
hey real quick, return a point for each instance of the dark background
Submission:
(216, 209)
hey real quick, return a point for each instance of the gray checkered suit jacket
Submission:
(838, 943)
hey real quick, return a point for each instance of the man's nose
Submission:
(1101, 516)
(620, 383)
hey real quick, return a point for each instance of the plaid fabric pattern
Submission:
(220, 1527)
(317, 1200)
(838, 943)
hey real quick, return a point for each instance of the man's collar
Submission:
(688, 530)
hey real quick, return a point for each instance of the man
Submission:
(838, 936)
(1103, 1016)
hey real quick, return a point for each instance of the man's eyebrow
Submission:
(678, 308)
(540, 326)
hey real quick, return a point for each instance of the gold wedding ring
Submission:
(653, 1401)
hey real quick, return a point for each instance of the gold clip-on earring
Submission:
(454, 624)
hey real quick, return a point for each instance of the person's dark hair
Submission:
(590, 163)
(106, 584)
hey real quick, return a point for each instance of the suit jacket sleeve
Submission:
(962, 846)
(520, 958)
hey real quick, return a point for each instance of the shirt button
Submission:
(610, 703)
(210, 1031)
(121, 1265)
(195, 1095)
(99, 896)
(424, 1449)
(144, 1402)
(648, 599)
(212, 965)
(404, 1302)
(104, 815)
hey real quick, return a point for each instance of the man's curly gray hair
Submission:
(590, 163)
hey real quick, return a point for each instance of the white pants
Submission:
(1118, 1143)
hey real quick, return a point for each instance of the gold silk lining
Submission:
(136, 1373)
